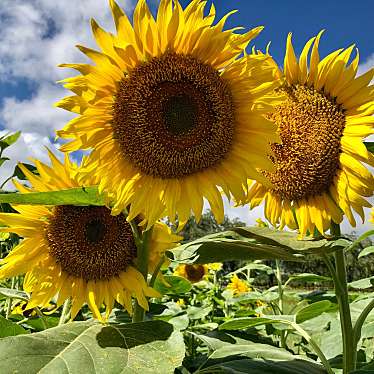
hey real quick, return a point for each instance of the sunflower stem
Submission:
(9, 306)
(341, 292)
(156, 271)
(280, 301)
(65, 312)
(142, 262)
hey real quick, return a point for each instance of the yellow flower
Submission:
(193, 272)
(181, 303)
(237, 285)
(215, 266)
(261, 223)
(172, 111)
(260, 303)
(320, 164)
(80, 252)
(372, 216)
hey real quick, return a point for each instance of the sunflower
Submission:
(78, 252)
(171, 110)
(193, 272)
(237, 285)
(372, 216)
(320, 166)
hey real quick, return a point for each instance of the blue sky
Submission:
(346, 22)
(37, 35)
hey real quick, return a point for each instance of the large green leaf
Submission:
(265, 367)
(174, 285)
(313, 310)
(72, 196)
(223, 345)
(9, 328)
(253, 243)
(89, 347)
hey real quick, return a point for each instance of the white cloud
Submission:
(36, 36)
(366, 66)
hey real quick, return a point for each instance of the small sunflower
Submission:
(81, 252)
(215, 266)
(171, 110)
(372, 216)
(193, 272)
(320, 164)
(238, 285)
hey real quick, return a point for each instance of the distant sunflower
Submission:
(193, 272)
(172, 112)
(320, 164)
(237, 285)
(82, 252)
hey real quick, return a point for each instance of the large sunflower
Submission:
(82, 252)
(172, 112)
(320, 164)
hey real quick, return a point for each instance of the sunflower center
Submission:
(173, 116)
(90, 243)
(95, 231)
(311, 125)
(180, 114)
(195, 273)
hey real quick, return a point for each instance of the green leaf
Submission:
(178, 285)
(291, 241)
(245, 323)
(5, 142)
(362, 284)
(313, 310)
(369, 146)
(253, 243)
(14, 294)
(229, 245)
(20, 174)
(265, 367)
(224, 345)
(72, 196)
(366, 251)
(89, 347)
(42, 323)
(194, 312)
(3, 159)
(308, 277)
(359, 240)
(9, 328)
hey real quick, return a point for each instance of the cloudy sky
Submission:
(37, 35)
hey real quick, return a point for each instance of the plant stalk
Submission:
(142, 262)
(280, 300)
(358, 328)
(341, 292)
(9, 306)
(65, 312)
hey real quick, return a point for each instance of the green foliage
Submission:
(89, 347)
(171, 284)
(72, 196)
